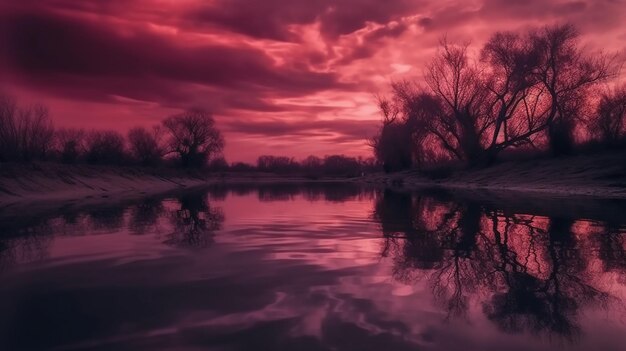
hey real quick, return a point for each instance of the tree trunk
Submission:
(560, 137)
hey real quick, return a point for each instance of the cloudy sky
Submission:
(285, 77)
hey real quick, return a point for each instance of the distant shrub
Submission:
(146, 145)
(70, 145)
(105, 147)
(26, 133)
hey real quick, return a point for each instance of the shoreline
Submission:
(600, 176)
(37, 187)
(573, 192)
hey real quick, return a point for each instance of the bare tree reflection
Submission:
(23, 241)
(145, 214)
(531, 274)
(549, 298)
(433, 240)
(194, 222)
(107, 218)
(611, 241)
(289, 191)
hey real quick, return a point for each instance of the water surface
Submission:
(316, 267)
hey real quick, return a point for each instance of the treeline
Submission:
(333, 165)
(189, 140)
(311, 166)
(537, 90)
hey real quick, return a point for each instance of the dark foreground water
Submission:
(318, 267)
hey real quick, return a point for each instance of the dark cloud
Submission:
(371, 42)
(425, 22)
(271, 19)
(350, 15)
(260, 19)
(261, 66)
(65, 51)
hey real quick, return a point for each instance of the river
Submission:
(316, 267)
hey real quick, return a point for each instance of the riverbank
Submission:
(600, 175)
(50, 186)
(34, 188)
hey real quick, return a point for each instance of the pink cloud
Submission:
(279, 75)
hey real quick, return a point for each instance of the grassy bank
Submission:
(31, 187)
(46, 186)
(596, 175)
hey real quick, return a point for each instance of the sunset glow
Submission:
(288, 77)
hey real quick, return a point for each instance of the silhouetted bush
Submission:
(105, 148)
(341, 166)
(70, 145)
(26, 133)
(312, 167)
(610, 123)
(393, 147)
(218, 164)
(242, 167)
(146, 146)
(277, 164)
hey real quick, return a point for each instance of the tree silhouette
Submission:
(146, 145)
(566, 73)
(105, 147)
(194, 222)
(610, 123)
(527, 87)
(457, 84)
(26, 133)
(193, 137)
(70, 144)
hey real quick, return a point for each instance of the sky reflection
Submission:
(314, 268)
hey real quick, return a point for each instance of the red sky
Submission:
(283, 77)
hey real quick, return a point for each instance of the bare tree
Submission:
(566, 73)
(146, 145)
(312, 163)
(412, 129)
(105, 147)
(392, 145)
(194, 137)
(312, 166)
(8, 129)
(37, 133)
(610, 122)
(277, 164)
(26, 134)
(341, 166)
(419, 109)
(457, 83)
(514, 92)
(526, 87)
(70, 144)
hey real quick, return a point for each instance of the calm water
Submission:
(320, 267)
